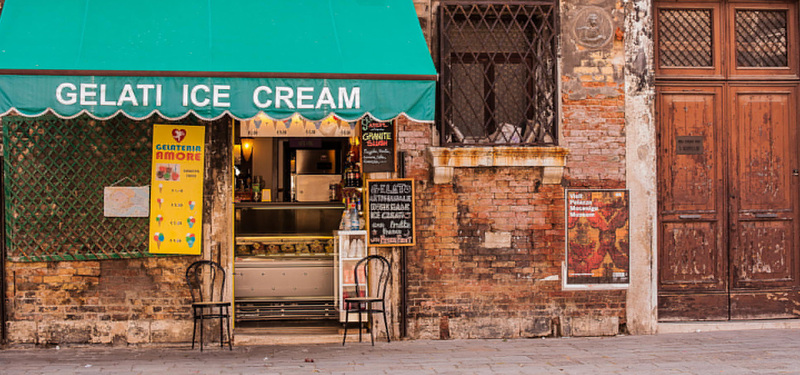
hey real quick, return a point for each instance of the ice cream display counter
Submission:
(284, 263)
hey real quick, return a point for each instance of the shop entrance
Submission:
(727, 161)
(290, 196)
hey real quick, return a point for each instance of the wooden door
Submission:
(728, 202)
(763, 202)
(692, 273)
(727, 81)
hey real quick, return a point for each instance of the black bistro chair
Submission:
(364, 302)
(206, 281)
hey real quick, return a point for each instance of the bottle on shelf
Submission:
(348, 174)
(356, 175)
(256, 188)
(344, 224)
(352, 170)
(353, 216)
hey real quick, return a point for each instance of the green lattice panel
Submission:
(55, 172)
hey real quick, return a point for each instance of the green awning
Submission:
(308, 57)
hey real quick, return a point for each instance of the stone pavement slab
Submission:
(722, 352)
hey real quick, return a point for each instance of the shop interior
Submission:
(298, 222)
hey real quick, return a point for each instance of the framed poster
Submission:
(597, 238)
(390, 212)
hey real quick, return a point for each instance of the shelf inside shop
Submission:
(288, 205)
(249, 240)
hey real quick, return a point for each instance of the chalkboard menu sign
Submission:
(390, 212)
(377, 146)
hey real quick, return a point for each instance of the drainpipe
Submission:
(3, 255)
(401, 171)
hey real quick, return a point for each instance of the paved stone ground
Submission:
(729, 352)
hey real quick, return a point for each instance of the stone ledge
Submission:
(100, 332)
(445, 159)
(590, 326)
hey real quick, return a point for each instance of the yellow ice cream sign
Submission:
(176, 189)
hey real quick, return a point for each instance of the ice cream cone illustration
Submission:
(191, 205)
(190, 221)
(159, 219)
(158, 237)
(190, 239)
(160, 188)
(160, 201)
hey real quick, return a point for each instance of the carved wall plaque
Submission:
(592, 27)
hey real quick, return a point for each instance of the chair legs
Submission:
(222, 325)
(371, 334)
(194, 326)
(360, 323)
(360, 313)
(228, 320)
(202, 326)
(346, 320)
(386, 325)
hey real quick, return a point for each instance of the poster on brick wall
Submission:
(176, 189)
(597, 238)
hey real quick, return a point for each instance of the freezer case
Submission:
(290, 278)
(284, 289)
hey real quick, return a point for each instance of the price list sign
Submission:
(377, 146)
(176, 189)
(390, 212)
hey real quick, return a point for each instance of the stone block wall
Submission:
(129, 301)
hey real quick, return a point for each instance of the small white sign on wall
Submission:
(126, 201)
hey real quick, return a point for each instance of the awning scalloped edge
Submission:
(15, 111)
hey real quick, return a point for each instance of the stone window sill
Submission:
(445, 159)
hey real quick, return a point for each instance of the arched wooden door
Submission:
(727, 98)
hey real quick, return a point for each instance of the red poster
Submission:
(597, 237)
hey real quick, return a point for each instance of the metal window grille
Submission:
(55, 173)
(685, 38)
(761, 39)
(498, 73)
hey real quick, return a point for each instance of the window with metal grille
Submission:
(498, 73)
(685, 38)
(55, 173)
(761, 38)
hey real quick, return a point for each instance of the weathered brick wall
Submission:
(489, 254)
(109, 302)
(491, 245)
(593, 99)
(594, 132)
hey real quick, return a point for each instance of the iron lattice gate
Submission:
(55, 173)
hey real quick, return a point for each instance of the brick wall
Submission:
(489, 253)
(594, 132)
(110, 301)
(593, 99)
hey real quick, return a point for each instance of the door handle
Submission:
(795, 172)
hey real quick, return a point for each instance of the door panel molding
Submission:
(690, 195)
